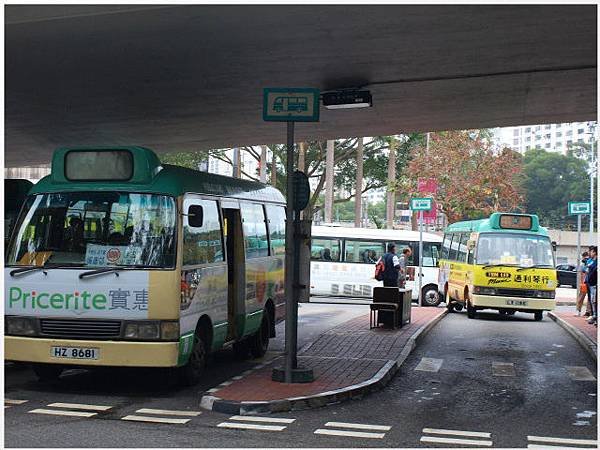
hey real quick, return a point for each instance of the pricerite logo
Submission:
(34, 300)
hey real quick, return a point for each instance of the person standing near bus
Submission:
(591, 279)
(583, 287)
(392, 267)
(403, 263)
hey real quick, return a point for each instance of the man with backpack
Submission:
(388, 267)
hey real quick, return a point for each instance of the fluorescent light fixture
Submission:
(346, 99)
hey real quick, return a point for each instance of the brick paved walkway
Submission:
(580, 323)
(346, 355)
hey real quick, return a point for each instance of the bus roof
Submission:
(373, 234)
(493, 223)
(150, 176)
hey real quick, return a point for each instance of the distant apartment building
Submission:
(556, 137)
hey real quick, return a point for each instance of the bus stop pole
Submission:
(578, 260)
(290, 297)
(420, 257)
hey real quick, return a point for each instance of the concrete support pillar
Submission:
(359, 184)
(237, 163)
(391, 195)
(301, 156)
(329, 182)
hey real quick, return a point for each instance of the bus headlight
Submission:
(544, 294)
(484, 290)
(142, 330)
(167, 330)
(20, 326)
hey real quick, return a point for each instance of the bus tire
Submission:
(259, 342)
(47, 372)
(538, 315)
(470, 310)
(449, 304)
(431, 296)
(191, 373)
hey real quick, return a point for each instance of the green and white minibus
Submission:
(119, 260)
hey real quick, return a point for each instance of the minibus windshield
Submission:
(95, 229)
(514, 249)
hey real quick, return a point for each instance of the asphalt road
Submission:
(495, 380)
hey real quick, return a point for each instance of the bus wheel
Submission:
(470, 310)
(259, 342)
(538, 315)
(431, 296)
(191, 373)
(47, 372)
(449, 304)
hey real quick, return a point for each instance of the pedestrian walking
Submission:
(403, 263)
(583, 289)
(591, 280)
(392, 267)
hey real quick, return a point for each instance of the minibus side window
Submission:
(276, 218)
(462, 248)
(454, 247)
(446, 246)
(255, 230)
(203, 245)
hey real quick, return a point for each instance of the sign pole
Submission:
(578, 254)
(290, 322)
(420, 257)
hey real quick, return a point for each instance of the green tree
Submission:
(551, 180)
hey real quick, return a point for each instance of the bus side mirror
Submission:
(195, 216)
(553, 246)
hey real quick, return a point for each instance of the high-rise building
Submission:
(556, 137)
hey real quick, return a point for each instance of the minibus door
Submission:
(236, 270)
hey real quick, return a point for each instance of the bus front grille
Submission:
(80, 329)
(516, 292)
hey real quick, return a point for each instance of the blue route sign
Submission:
(291, 105)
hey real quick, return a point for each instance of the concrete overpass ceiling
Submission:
(191, 77)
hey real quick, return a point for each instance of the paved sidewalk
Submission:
(585, 333)
(349, 360)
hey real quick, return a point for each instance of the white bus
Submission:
(343, 261)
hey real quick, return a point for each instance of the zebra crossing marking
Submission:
(168, 412)
(80, 406)
(56, 412)
(264, 423)
(356, 426)
(429, 364)
(459, 440)
(134, 418)
(556, 440)
(14, 402)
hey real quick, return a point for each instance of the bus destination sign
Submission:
(291, 105)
